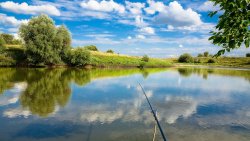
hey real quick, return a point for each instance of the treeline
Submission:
(8, 39)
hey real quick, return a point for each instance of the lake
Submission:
(192, 104)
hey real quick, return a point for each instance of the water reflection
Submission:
(107, 104)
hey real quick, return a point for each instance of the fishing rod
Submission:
(154, 114)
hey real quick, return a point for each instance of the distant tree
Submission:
(185, 58)
(17, 42)
(206, 54)
(233, 27)
(110, 51)
(63, 41)
(248, 55)
(91, 48)
(199, 55)
(2, 42)
(41, 41)
(211, 61)
(79, 57)
(145, 58)
(8, 38)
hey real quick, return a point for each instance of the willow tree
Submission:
(44, 41)
(232, 30)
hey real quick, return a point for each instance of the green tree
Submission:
(199, 55)
(145, 58)
(110, 51)
(63, 41)
(206, 54)
(185, 58)
(248, 55)
(233, 27)
(91, 48)
(79, 57)
(2, 43)
(8, 38)
(39, 37)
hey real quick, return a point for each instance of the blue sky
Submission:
(163, 28)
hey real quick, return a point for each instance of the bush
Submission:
(206, 54)
(248, 55)
(145, 58)
(110, 51)
(211, 61)
(2, 43)
(79, 57)
(142, 64)
(185, 58)
(91, 48)
(199, 55)
(196, 60)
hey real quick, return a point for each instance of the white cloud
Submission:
(135, 8)
(147, 30)
(139, 21)
(154, 7)
(208, 6)
(129, 37)
(104, 6)
(24, 8)
(176, 16)
(140, 37)
(10, 21)
(180, 46)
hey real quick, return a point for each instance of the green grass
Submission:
(101, 59)
(236, 62)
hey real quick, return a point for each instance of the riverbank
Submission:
(225, 62)
(14, 56)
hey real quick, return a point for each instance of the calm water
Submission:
(193, 104)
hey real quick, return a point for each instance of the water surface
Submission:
(193, 104)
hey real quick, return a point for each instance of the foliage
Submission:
(199, 55)
(79, 57)
(248, 55)
(8, 38)
(91, 48)
(196, 60)
(142, 64)
(211, 60)
(206, 54)
(110, 51)
(185, 58)
(233, 27)
(63, 41)
(2, 43)
(145, 58)
(45, 43)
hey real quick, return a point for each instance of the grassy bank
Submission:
(234, 62)
(101, 59)
(14, 56)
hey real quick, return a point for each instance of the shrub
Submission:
(2, 43)
(79, 57)
(196, 60)
(199, 55)
(110, 51)
(248, 55)
(185, 58)
(145, 58)
(206, 54)
(91, 47)
(211, 61)
(142, 64)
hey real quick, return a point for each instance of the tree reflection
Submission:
(46, 89)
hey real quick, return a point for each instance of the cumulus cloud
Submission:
(104, 6)
(154, 7)
(147, 30)
(135, 8)
(10, 20)
(140, 37)
(24, 8)
(208, 6)
(176, 15)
